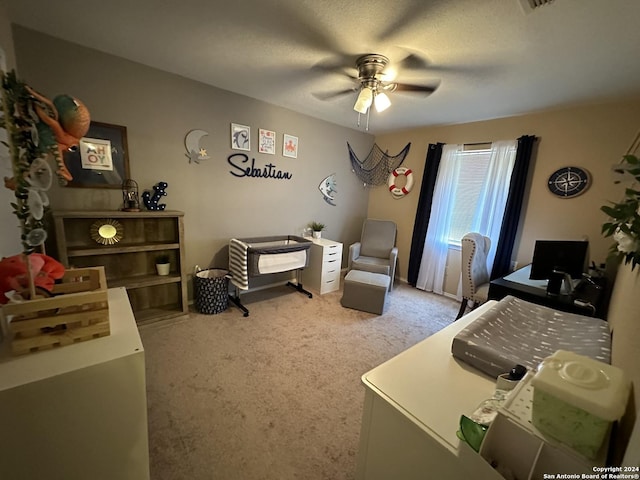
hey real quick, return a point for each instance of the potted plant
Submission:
(317, 229)
(624, 222)
(163, 266)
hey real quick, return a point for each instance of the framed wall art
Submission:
(240, 137)
(102, 158)
(267, 142)
(290, 146)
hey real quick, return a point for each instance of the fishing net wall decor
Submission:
(376, 167)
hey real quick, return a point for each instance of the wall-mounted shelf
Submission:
(130, 262)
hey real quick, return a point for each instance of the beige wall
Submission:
(593, 137)
(158, 110)
(9, 241)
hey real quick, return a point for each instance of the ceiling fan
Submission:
(376, 79)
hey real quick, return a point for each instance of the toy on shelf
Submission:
(151, 200)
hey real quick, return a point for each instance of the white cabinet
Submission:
(325, 261)
(412, 409)
(78, 411)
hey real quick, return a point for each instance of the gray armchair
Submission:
(376, 251)
(475, 276)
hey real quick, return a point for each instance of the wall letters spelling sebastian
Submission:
(237, 161)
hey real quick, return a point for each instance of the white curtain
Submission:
(488, 216)
(436, 245)
(487, 219)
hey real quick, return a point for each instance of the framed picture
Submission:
(267, 142)
(290, 146)
(240, 137)
(102, 158)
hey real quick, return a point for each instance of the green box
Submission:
(576, 400)
(573, 426)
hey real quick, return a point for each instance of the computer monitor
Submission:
(569, 256)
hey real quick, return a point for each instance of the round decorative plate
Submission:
(569, 182)
(107, 231)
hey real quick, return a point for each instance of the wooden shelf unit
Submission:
(130, 263)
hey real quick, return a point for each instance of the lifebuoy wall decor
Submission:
(399, 192)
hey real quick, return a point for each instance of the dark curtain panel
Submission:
(423, 213)
(504, 249)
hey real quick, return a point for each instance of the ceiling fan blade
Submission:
(301, 25)
(414, 61)
(344, 65)
(405, 87)
(331, 95)
(409, 15)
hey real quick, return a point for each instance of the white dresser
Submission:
(325, 261)
(78, 411)
(412, 409)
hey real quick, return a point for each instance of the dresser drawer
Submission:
(332, 252)
(332, 265)
(329, 287)
(331, 272)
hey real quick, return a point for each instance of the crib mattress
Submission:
(268, 255)
(256, 256)
(515, 331)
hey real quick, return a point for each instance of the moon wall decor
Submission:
(195, 152)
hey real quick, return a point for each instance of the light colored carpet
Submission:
(276, 395)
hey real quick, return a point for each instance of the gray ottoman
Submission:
(365, 291)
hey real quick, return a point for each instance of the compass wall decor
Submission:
(567, 182)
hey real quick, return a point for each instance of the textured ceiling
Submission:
(489, 57)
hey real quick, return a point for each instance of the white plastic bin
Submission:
(576, 399)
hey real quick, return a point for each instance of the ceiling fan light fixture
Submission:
(382, 102)
(364, 100)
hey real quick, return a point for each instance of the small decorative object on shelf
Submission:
(151, 200)
(163, 266)
(107, 231)
(317, 229)
(130, 198)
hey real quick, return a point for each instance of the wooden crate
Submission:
(78, 311)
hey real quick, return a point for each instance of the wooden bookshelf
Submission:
(130, 262)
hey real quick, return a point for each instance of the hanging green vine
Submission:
(29, 146)
(37, 129)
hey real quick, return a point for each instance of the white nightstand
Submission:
(325, 261)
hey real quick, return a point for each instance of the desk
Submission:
(78, 411)
(519, 285)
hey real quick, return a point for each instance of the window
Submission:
(471, 176)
